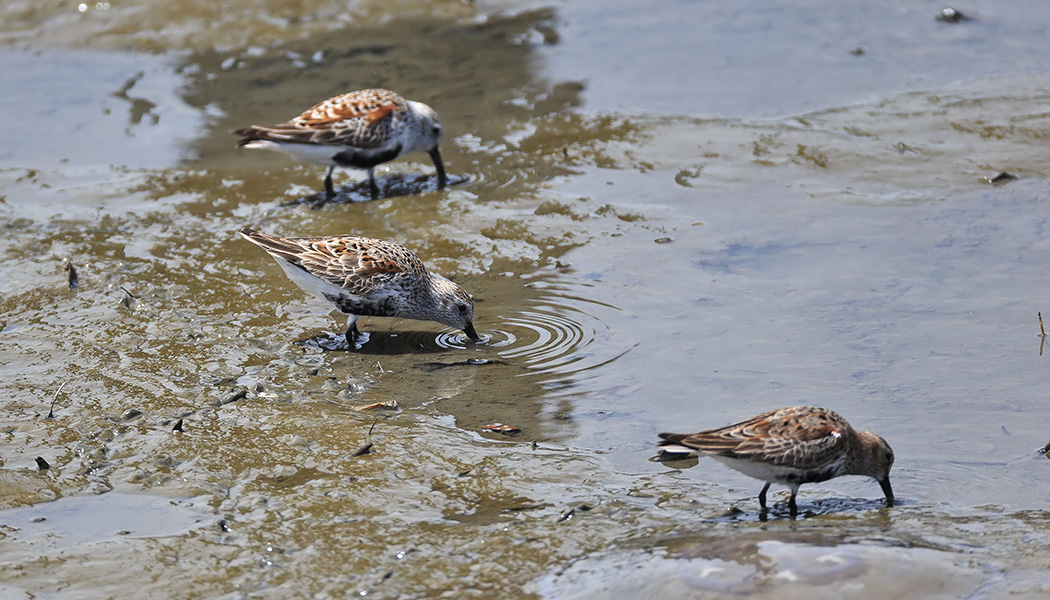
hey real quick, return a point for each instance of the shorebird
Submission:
(791, 446)
(359, 129)
(366, 276)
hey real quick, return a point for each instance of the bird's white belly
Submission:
(314, 153)
(781, 473)
(313, 284)
(758, 470)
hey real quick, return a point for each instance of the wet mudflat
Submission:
(669, 221)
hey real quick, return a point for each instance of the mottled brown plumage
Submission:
(367, 276)
(359, 129)
(792, 446)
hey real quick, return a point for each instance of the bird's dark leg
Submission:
(328, 188)
(372, 187)
(351, 333)
(791, 503)
(440, 166)
(762, 496)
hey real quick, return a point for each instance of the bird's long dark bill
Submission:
(435, 155)
(886, 489)
(473, 334)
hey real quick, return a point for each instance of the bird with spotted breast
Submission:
(359, 129)
(791, 446)
(368, 277)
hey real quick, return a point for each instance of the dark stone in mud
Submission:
(73, 279)
(569, 513)
(1001, 178)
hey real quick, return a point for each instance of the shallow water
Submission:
(669, 220)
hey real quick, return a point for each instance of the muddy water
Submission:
(669, 221)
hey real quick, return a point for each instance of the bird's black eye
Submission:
(462, 308)
(437, 130)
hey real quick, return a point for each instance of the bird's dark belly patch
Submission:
(383, 308)
(365, 159)
(808, 476)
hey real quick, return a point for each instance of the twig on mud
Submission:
(363, 450)
(51, 413)
(128, 297)
(1042, 333)
(367, 448)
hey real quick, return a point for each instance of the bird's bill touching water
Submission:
(435, 155)
(885, 483)
(473, 335)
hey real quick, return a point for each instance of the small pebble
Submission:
(130, 414)
(501, 428)
(950, 15)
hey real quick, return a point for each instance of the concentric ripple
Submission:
(559, 335)
(455, 339)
